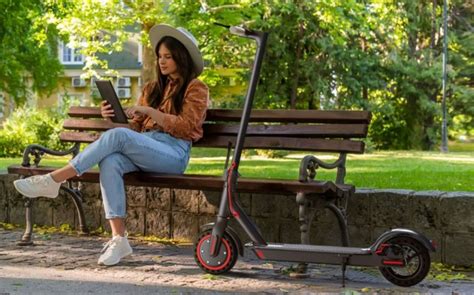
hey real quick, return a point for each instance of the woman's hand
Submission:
(138, 111)
(106, 110)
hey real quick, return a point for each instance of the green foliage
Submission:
(272, 154)
(444, 272)
(381, 55)
(210, 277)
(315, 57)
(28, 48)
(27, 126)
(8, 226)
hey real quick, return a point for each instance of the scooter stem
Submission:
(261, 40)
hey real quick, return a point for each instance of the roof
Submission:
(125, 59)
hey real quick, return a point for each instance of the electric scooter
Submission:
(402, 255)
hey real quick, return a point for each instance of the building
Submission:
(83, 92)
(74, 90)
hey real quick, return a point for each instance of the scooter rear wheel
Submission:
(417, 260)
(225, 259)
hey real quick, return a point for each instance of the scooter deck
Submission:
(315, 254)
(315, 248)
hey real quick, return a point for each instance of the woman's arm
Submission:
(143, 111)
(188, 121)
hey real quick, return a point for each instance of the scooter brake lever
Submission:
(222, 25)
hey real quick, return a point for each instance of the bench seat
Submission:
(211, 183)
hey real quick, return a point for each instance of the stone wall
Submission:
(445, 217)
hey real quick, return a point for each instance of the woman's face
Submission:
(166, 62)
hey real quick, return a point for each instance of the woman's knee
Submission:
(119, 134)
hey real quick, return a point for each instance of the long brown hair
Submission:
(185, 67)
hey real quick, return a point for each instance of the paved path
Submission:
(64, 264)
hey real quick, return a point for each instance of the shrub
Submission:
(272, 154)
(27, 126)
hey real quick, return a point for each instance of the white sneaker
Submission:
(38, 186)
(114, 250)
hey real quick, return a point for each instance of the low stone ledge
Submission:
(446, 217)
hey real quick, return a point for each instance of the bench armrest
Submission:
(38, 151)
(309, 164)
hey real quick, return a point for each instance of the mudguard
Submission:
(400, 232)
(232, 233)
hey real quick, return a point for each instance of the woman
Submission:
(166, 120)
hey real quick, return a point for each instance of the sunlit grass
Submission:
(414, 170)
(398, 170)
(455, 146)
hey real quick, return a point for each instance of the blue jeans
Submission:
(121, 150)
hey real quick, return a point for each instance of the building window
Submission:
(70, 56)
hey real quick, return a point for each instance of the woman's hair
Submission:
(154, 91)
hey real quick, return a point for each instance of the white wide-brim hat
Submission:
(157, 33)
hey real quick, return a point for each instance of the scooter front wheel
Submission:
(417, 262)
(225, 259)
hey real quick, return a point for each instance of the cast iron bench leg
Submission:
(305, 217)
(26, 238)
(342, 223)
(77, 199)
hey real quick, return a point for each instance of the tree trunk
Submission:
(149, 58)
(413, 113)
(433, 28)
(299, 49)
(427, 142)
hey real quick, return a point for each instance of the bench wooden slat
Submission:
(287, 143)
(253, 142)
(69, 136)
(83, 124)
(84, 112)
(303, 116)
(201, 182)
(321, 130)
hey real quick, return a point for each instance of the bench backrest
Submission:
(305, 130)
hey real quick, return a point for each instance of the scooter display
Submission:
(402, 255)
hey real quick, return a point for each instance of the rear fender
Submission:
(402, 232)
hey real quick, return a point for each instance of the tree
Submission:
(461, 102)
(381, 55)
(319, 54)
(28, 48)
(411, 116)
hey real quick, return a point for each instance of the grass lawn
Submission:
(395, 169)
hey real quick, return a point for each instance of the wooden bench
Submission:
(295, 130)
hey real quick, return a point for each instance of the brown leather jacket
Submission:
(188, 124)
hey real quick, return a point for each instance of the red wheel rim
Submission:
(225, 243)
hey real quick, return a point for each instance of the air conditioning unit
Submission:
(123, 82)
(78, 82)
(123, 92)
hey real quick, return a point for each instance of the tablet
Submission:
(108, 93)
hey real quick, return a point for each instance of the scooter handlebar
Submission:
(239, 31)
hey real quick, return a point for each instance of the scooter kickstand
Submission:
(344, 263)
